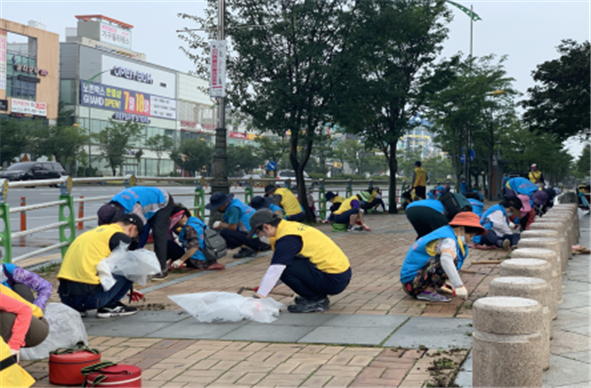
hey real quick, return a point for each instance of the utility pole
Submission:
(467, 154)
(220, 172)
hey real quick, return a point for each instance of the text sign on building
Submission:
(127, 101)
(138, 76)
(28, 107)
(217, 74)
(2, 59)
(117, 36)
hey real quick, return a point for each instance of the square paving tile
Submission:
(579, 356)
(348, 335)
(565, 372)
(584, 330)
(433, 333)
(301, 319)
(268, 333)
(390, 321)
(574, 300)
(157, 316)
(193, 329)
(119, 329)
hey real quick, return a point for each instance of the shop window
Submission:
(68, 91)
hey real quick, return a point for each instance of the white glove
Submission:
(461, 292)
(177, 264)
(217, 224)
(16, 353)
(511, 225)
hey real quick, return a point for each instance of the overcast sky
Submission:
(527, 31)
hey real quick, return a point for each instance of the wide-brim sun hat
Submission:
(175, 218)
(269, 188)
(259, 202)
(218, 200)
(364, 195)
(468, 220)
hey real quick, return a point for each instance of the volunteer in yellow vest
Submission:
(419, 180)
(375, 200)
(305, 259)
(350, 212)
(80, 286)
(536, 176)
(21, 322)
(336, 201)
(284, 197)
(11, 373)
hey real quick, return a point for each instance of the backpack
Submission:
(215, 245)
(454, 203)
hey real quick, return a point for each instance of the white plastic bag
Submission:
(65, 330)
(134, 265)
(228, 307)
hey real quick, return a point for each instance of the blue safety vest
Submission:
(8, 270)
(417, 255)
(150, 198)
(491, 210)
(477, 206)
(430, 203)
(245, 213)
(522, 186)
(199, 227)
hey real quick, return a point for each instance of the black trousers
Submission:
(236, 238)
(421, 192)
(424, 220)
(308, 281)
(159, 224)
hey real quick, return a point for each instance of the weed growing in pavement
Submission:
(469, 334)
(48, 269)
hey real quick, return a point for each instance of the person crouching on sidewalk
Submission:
(437, 257)
(305, 259)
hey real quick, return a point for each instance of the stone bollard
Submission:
(570, 207)
(530, 288)
(561, 221)
(564, 246)
(507, 342)
(551, 226)
(531, 268)
(573, 220)
(544, 243)
(546, 255)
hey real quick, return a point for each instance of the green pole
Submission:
(200, 199)
(66, 195)
(321, 200)
(349, 190)
(248, 191)
(6, 242)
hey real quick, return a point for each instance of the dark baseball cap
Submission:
(259, 218)
(133, 219)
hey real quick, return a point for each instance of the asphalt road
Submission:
(44, 194)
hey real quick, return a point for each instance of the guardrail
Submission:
(67, 221)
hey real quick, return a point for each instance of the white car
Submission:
(284, 175)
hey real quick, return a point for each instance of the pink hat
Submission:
(175, 218)
(525, 202)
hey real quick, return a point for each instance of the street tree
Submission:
(280, 67)
(14, 139)
(138, 157)
(193, 156)
(116, 139)
(243, 158)
(559, 103)
(583, 165)
(159, 144)
(383, 67)
(272, 150)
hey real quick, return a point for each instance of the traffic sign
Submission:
(271, 166)
(463, 157)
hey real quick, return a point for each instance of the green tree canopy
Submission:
(159, 144)
(584, 163)
(116, 139)
(14, 139)
(243, 158)
(193, 156)
(559, 104)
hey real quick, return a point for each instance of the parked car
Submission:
(25, 171)
(246, 178)
(284, 175)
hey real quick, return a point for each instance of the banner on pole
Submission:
(217, 74)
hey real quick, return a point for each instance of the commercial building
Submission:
(29, 71)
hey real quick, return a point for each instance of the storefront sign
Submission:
(128, 101)
(28, 107)
(138, 76)
(26, 78)
(110, 50)
(188, 124)
(239, 135)
(30, 70)
(117, 36)
(4, 105)
(130, 117)
(217, 74)
(3, 59)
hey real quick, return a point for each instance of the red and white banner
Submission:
(28, 107)
(217, 73)
(239, 135)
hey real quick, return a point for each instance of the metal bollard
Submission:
(80, 213)
(23, 215)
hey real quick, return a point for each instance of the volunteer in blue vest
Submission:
(419, 180)
(235, 224)
(433, 261)
(191, 236)
(350, 213)
(496, 221)
(80, 286)
(426, 216)
(24, 282)
(258, 203)
(538, 197)
(305, 259)
(476, 202)
(154, 207)
(463, 186)
(284, 198)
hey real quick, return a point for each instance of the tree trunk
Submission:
(393, 165)
(298, 167)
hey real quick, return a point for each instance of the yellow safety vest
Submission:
(535, 176)
(79, 264)
(316, 246)
(37, 312)
(14, 375)
(373, 195)
(289, 202)
(420, 177)
(338, 199)
(346, 205)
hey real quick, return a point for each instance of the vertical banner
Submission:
(2, 59)
(217, 74)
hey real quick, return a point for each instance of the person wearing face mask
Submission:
(235, 224)
(80, 286)
(433, 261)
(305, 259)
(190, 255)
(350, 213)
(496, 221)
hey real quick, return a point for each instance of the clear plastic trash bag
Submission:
(227, 307)
(65, 330)
(134, 265)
